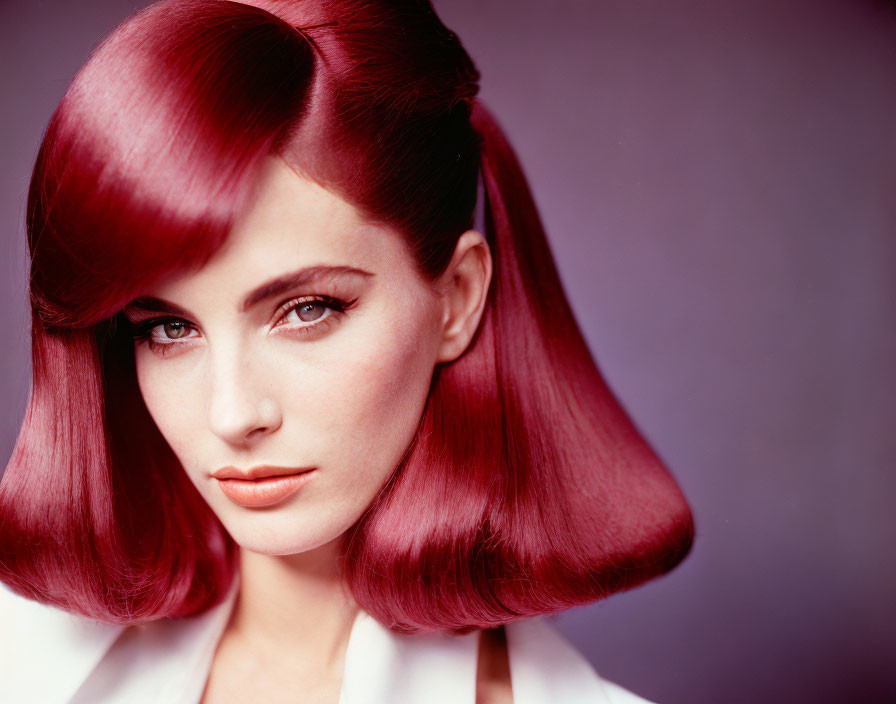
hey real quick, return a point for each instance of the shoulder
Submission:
(33, 634)
(547, 667)
(29, 623)
(99, 662)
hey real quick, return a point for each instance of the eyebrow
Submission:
(269, 289)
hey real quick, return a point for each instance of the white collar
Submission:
(169, 661)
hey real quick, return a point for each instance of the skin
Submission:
(294, 384)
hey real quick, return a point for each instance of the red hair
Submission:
(527, 489)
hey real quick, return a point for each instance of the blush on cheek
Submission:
(404, 370)
(383, 396)
(168, 410)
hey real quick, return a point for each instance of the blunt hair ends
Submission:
(527, 489)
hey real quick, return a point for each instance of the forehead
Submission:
(292, 216)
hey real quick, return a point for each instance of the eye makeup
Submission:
(332, 310)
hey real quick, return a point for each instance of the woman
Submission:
(297, 428)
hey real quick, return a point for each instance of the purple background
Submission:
(717, 183)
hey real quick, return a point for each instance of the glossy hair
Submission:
(527, 489)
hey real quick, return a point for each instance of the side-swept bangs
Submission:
(153, 150)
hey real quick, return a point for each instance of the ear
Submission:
(463, 288)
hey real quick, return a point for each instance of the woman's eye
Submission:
(162, 335)
(311, 315)
(308, 312)
(174, 329)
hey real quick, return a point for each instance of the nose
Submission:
(241, 408)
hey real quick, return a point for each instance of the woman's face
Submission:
(332, 373)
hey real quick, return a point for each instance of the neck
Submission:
(294, 609)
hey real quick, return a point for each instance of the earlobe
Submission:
(464, 290)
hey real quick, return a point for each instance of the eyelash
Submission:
(142, 330)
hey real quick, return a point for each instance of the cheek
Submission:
(378, 394)
(378, 388)
(169, 402)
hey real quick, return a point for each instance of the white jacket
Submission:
(48, 656)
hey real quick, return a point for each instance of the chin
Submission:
(282, 532)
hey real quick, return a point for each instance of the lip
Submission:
(267, 491)
(258, 472)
